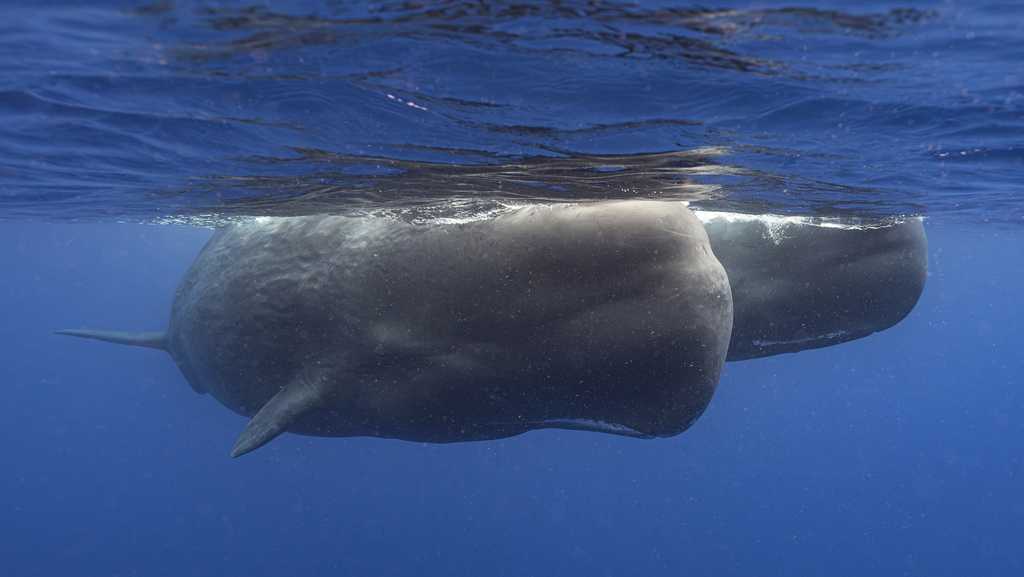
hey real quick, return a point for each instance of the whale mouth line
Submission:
(593, 425)
(762, 343)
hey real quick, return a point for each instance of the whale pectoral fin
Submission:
(300, 395)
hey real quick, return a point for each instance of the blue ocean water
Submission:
(127, 129)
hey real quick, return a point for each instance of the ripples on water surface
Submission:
(183, 109)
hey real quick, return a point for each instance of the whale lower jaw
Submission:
(592, 425)
(825, 339)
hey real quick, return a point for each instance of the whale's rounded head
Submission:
(801, 284)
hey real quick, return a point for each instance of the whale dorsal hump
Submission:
(303, 393)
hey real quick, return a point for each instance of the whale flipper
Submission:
(153, 340)
(305, 392)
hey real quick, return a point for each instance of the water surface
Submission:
(142, 111)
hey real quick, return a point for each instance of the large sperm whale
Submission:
(804, 283)
(612, 316)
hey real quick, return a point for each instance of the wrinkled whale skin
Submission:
(614, 312)
(800, 285)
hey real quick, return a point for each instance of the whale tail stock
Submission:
(305, 392)
(152, 340)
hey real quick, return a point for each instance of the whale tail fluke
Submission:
(152, 340)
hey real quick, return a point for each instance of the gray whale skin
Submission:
(613, 316)
(802, 283)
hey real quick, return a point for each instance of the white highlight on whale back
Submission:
(776, 225)
(848, 223)
(465, 210)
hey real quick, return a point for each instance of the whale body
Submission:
(613, 317)
(803, 283)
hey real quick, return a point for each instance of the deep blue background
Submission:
(899, 454)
